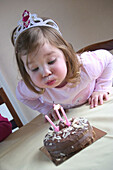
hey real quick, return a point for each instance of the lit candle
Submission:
(56, 108)
(50, 121)
(63, 112)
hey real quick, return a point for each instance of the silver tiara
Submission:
(31, 20)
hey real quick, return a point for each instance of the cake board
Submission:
(99, 133)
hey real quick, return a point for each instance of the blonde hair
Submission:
(33, 38)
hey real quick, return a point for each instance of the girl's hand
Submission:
(53, 116)
(97, 98)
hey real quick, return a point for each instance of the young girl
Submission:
(53, 73)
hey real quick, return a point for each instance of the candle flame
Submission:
(57, 106)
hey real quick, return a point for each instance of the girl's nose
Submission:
(46, 72)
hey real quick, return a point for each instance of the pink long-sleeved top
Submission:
(96, 75)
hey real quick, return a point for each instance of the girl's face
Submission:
(47, 67)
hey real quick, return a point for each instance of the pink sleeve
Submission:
(100, 68)
(5, 128)
(31, 99)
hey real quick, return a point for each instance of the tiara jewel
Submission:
(26, 18)
(31, 20)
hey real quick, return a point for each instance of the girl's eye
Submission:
(52, 62)
(35, 69)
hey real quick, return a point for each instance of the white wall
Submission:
(82, 22)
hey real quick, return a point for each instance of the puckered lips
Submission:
(50, 82)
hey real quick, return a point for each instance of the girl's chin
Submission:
(61, 85)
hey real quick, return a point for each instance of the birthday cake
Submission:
(69, 139)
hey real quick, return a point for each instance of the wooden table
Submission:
(20, 151)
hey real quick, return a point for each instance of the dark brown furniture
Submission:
(4, 99)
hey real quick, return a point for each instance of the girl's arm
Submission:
(104, 81)
(31, 99)
(103, 67)
(34, 101)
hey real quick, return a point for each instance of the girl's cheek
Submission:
(56, 68)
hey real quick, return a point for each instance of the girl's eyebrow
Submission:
(46, 54)
(30, 62)
(49, 53)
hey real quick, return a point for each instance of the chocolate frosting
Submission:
(69, 139)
